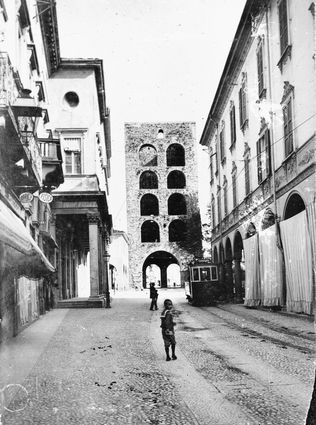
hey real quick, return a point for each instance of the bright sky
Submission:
(162, 61)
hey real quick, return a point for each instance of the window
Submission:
(260, 70)
(195, 274)
(214, 273)
(222, 145)
(263, 156)
(225, 196)
(23, 15)
(33, 58)
(150, 231)
(243, 102)
(148, 180)
(40, 92)
(204, 274)
(283, 26)
(72, 99)
(160, 134)
(288, 127)
(247, 175)
(149, 205)
(148, 156)
(175, 155)
(176, 180)
(232, 116)
(211, 166)
(213, 211)
(219, 207)
(177, 231)
(3, 10)
(72, 150)
(216, 162)
(177, 204)
(234, 185)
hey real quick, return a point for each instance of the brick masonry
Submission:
(137, 135)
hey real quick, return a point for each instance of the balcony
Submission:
(52, 172)
(20, 156)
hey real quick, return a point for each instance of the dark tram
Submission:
(203, 287)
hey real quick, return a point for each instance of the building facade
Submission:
(47, 245)
(30, 167)
(164, 228)
(80, 120)
(260, 133)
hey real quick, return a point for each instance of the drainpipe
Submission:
(271, 113)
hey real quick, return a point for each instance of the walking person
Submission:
(167, 326)
(153, 294)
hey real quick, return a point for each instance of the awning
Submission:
(19, 249)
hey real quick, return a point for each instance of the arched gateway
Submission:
(162, 260)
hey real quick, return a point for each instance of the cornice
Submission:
(237, 55)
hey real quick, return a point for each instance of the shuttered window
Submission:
(263, 156)
(232, 115)
(72, 149)
(283, 24)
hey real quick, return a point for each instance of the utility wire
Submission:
(272, 144)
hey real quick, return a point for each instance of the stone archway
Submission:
(238, 273)
(162, 259)
(215, 255)
(221, 268)
(228, 267)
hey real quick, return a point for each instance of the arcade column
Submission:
(94, 254)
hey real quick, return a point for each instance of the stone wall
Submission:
(136, 135)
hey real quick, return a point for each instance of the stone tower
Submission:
(163, 219)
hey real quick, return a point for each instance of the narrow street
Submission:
(235, 366)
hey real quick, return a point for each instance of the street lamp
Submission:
(106, 256)
(27, 114)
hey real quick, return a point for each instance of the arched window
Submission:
(150, 231)
(176, 180)
(148, 180)
(177, 231)
(175, 155)
(148, 156)
(149, 205)
(177, 204)
(295, 205)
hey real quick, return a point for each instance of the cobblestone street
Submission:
(107, 366)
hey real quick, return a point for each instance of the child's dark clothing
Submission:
(167, 328)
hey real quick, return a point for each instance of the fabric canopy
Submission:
(18, 247)
(271, 263)
(252, 272)
(298, 263)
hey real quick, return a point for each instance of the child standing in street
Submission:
(153, 294)
(167, 326)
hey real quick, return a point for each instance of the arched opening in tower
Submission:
(168, 273)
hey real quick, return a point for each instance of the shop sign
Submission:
(45, 197)
(26, 197)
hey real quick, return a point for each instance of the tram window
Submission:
(205, 273)
(214, 273)
(195, 273)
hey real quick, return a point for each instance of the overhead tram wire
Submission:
(272, 144)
